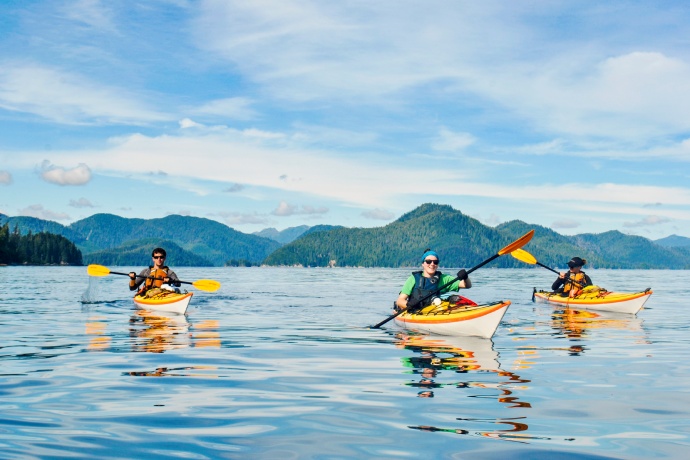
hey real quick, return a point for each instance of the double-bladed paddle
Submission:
(203, 285)
(517, 244)
(524, 256)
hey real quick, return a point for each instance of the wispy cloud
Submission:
(81, 203)
(68, 98)
(5, 178)
(378, 214)
(285, 209)
(38, 211)
(647, 221)
(565, 223)
(232, 108)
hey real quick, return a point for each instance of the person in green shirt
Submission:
(421, 284)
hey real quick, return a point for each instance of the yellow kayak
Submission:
(162, 300)
(596, 298)
(462, 317)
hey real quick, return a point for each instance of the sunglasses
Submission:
(429, 262)
(159, 257)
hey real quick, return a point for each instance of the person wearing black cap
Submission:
(570, 283)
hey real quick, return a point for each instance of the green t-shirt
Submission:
(409, 284)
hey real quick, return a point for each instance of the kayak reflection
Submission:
(476, 359)
(156, 332)
(576, 325)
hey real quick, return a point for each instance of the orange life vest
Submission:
(571, 288)
(156, 273)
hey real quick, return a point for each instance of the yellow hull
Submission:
(617, 302)
(456, 320)
(165, 301)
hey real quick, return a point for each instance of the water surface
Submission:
(280, 363)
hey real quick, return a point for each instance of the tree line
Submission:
(36, 248)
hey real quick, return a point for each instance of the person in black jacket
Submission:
(570, 283)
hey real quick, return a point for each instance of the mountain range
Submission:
(460, 240)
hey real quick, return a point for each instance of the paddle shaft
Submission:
(428, 296)
(150, 277)
(567, 278)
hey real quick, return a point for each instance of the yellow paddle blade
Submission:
(517, 244)
(97, 270)
(206, 285)
(524, 256)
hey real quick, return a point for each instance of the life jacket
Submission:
(571, 288)
(424, 287)
(156, 273)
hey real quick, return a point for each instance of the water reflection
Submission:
(476, 359)
(156, 332)
(96, 328)
(581, 324)
(577, 322)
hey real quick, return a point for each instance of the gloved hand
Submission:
(462, 275)
(132, 276)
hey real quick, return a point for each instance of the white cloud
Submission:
(189, 123)
(78, 175)
(38, 211)
(565, 223)
(378, 214)
(5, 178)
(285, 209)
(450, 141)
(233, 108)
(81, 203)
(599, 85)
(69, 98)
(648, 221)
(92, 13)
(234, 188)
(238, 218)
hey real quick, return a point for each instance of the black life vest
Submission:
(424, 287)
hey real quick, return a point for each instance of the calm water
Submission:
(280, 364)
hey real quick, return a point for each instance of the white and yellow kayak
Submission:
(597, 298)
(460, 317)
(168, 301)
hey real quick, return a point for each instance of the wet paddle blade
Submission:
(524, 256)
(97, 270)
(517, 244)
(206, 285)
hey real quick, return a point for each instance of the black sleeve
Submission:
(588, 280)
(558, 283)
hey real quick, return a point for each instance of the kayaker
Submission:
(570, 283)
(421, 284)
(154, 276)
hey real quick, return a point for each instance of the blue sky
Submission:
(278, 113)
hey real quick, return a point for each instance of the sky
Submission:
(279, 113)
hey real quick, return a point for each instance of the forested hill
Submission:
(462, 241)
(40, 248)
(459, 239)
(206, 241)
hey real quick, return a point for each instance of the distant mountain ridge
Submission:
(106, 235)
(673, 241)
(290, 234)
(462, 241)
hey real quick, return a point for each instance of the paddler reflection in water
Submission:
(570, 283)
(157, 276)
(422, 284)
